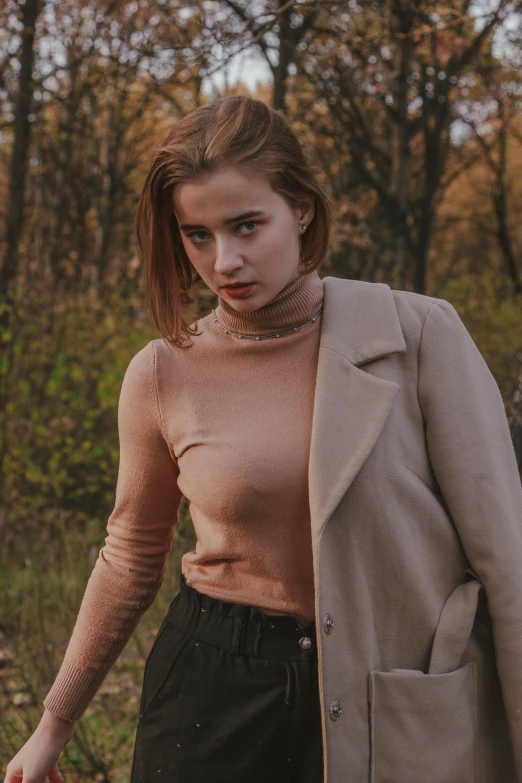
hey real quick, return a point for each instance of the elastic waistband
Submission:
(241, 629)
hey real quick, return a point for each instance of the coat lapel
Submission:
(351, 406)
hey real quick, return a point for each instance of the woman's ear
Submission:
(305, 211)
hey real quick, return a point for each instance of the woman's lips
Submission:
(238, 291)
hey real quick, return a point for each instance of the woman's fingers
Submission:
(36, 761)
(14, 775)
(17, 776)
(55, 776)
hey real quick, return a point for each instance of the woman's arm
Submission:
(131, 565)
(473, 458)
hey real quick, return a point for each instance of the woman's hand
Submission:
(37, 760)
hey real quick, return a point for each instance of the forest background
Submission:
(411, 109)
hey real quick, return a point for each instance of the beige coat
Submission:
(414, 496)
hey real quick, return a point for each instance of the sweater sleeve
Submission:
(131, 565)
(473, 457)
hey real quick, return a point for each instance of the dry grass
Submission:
(39, 599)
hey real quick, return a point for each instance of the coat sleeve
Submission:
(131, 565)
(472, 455)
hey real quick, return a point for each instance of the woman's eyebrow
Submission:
(228, 221)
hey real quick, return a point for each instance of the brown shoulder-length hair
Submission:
(228, 131)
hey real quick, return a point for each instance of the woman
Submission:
(353, 609)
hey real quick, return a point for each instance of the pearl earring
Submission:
(303, 226)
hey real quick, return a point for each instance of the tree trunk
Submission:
(21, 140)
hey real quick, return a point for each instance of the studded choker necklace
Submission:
(267, 336)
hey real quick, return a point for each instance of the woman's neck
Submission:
(296, 303)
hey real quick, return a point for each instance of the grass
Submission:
(40, 593)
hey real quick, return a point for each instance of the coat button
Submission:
(336, 709)
(328, 623)
(305, 643)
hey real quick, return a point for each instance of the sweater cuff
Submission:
(72, 691)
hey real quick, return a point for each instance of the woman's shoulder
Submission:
(377, 309)
(404, 300)
(413, 308)
(379, 301)
(138, 377)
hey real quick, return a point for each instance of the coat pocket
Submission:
(423, 726)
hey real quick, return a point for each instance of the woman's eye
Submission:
(196, 237)
(245, 228)
(250, 226)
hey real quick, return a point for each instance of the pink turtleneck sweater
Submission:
(226, 423)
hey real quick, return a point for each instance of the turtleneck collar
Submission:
(296, 303)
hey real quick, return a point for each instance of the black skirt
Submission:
(230, 695)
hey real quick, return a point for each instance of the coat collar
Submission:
(351, 406)
(360, 320)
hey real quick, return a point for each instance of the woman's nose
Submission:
(227, 255)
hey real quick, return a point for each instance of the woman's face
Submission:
(236, 229)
